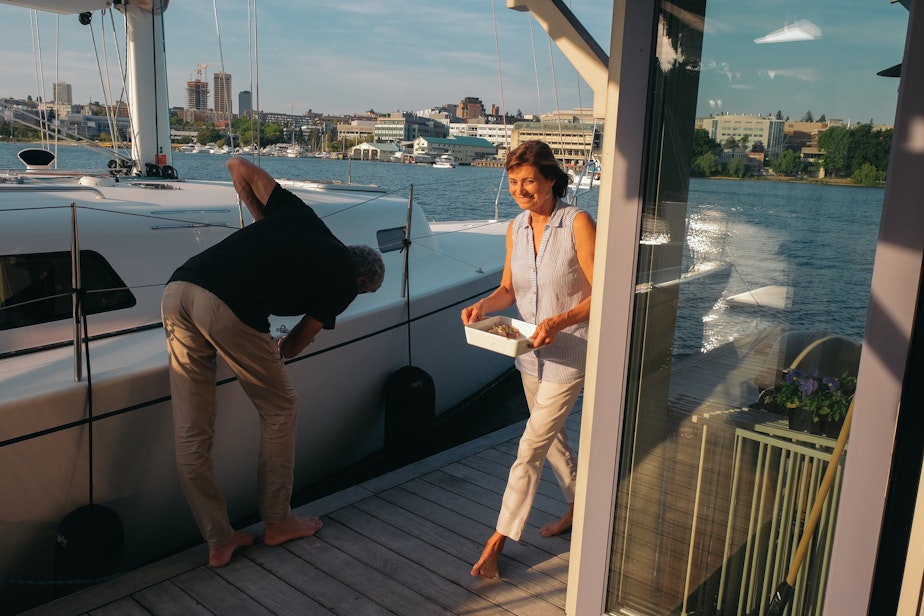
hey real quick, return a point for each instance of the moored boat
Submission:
(85, 405)
(445, 161)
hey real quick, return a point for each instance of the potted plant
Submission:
(812, 403)
(833, 401)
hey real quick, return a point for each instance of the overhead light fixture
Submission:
(802, 30)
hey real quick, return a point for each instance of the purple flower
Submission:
(808, 386)
(831, 383)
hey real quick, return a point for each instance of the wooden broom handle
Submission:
(820, 497)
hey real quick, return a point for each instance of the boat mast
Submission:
(149, 105)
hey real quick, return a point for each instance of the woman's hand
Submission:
(545, 334)
(473, 313)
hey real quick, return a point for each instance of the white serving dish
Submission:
(477, 334)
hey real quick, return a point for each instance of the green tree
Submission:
(868, 175)
(208, 134)
(738, 168)
(703, 143)
(743, 141)
(707, 165)
(835, 142)
(822, 118)
(868, 146)
(730, 143)
(808, 116)
(785, 163)
(273, 133)
(779, 114)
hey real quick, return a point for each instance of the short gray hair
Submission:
(367, 264)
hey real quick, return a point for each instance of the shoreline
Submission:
(777, 178)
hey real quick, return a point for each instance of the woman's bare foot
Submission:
(219, 557)
(487, 564)
(560, 526)
(293, 528)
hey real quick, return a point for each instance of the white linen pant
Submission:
(199, 325)
(543, 438)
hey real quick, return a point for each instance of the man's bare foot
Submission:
(220, 557)
(293, 528)
(560, 526)
(487, 565)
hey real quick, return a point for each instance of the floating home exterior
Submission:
(869, 557)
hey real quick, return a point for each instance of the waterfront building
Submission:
(464, 149)
(573, 143)
(374, 151)
(222, 94)
(404, 126)
(360, 129)
(497, 134)
(767, 130)
(574, 116)
(471, 108)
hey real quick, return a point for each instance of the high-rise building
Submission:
(62, 93)
(244, 102)
(197, 95)
(222, 94)
(471, 108)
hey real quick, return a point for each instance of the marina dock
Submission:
(400, 543)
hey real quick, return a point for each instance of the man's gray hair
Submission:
(368, 265)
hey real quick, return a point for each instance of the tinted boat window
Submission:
(36, 288)
(390, 239)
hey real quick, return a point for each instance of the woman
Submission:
(547, 274)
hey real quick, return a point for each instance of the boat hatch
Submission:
(156, 186)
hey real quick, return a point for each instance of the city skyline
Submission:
(406, 56)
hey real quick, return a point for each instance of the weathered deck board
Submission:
(402, 543)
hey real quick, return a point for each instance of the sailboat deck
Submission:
(402, 543)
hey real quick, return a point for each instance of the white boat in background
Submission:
(64, 394)
(584, 181)
(585, 178)
(445, 161)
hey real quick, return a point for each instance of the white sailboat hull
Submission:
(145, 233)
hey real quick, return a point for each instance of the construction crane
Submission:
(200, 68)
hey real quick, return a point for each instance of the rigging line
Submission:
(577, 78)
(110, 111)
(475, 267)
(105, 84)
(532, 42)
(160, 7)
(256, 90)
(122, 77)
(54, 90)
(250, 72)
(500, 77)
(561, 134)
(225, 95)
(37, 61)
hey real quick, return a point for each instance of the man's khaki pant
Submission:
(199, 326)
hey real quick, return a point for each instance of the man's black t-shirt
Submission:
(289, 263)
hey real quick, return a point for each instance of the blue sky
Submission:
(343, 57)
